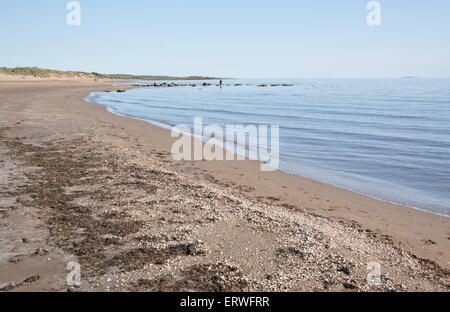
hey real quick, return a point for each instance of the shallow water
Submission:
(389, 139)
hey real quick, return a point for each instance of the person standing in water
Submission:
(221, 82)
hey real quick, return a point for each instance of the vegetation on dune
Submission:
(50, 73)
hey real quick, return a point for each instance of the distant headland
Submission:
(41, 73)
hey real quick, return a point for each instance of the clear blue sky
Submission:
(230, 38)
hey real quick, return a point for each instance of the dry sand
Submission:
(80, 184)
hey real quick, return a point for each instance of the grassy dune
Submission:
(37, 72)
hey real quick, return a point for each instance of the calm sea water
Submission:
(389, 139)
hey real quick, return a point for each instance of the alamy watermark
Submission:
(74, 16)
(235, 142)
(374, 16)
(374, 276)
(74, 276)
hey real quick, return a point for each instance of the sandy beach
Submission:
(79, 184)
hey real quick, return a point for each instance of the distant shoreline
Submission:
(42, 73)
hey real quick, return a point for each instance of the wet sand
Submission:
(80, 184)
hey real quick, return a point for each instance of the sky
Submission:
(230, 38)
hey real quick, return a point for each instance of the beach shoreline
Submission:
(61, 110)
(168, 127)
